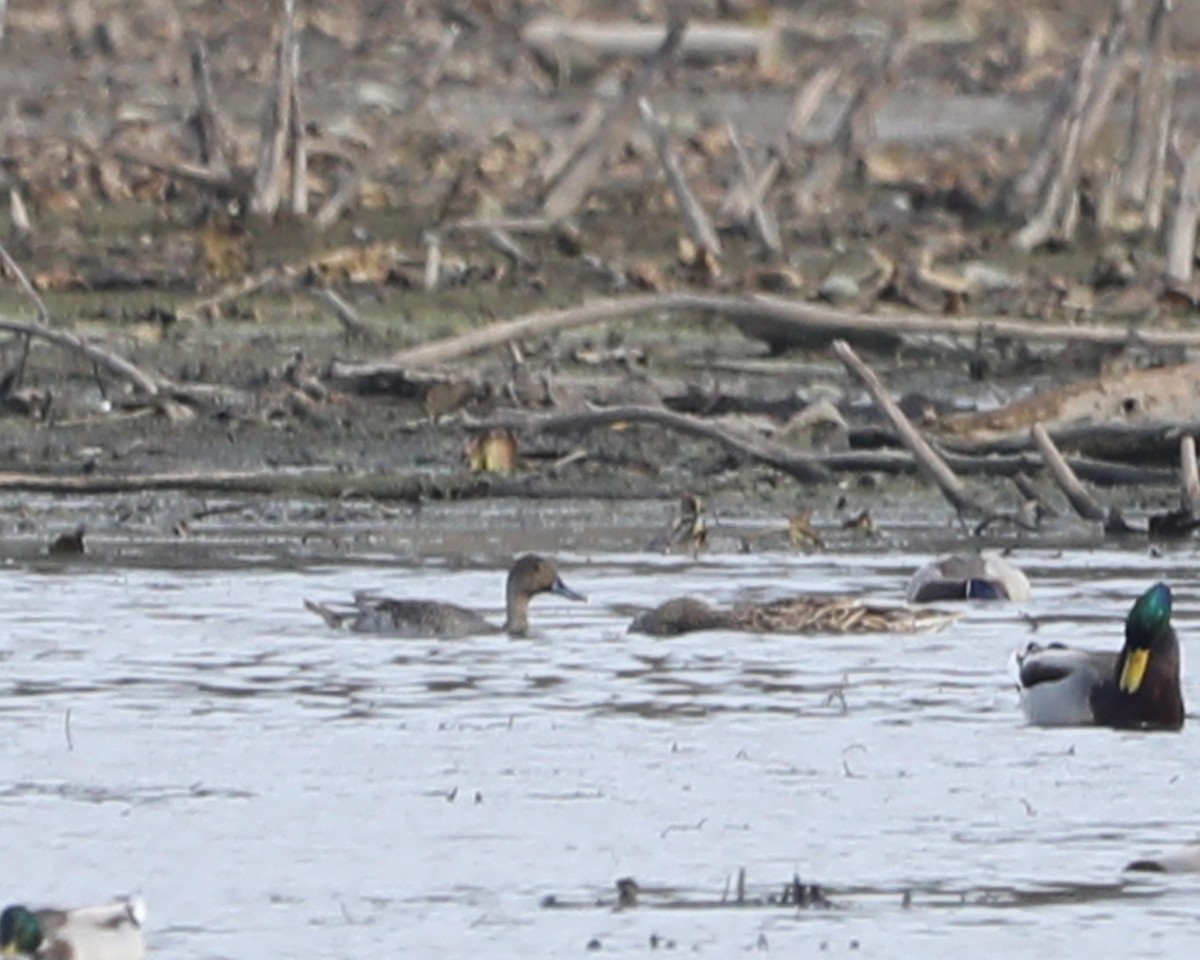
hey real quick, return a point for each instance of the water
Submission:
(176, 725)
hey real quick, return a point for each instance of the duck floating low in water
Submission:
(804, 614)
(968, 576)
(1137, 687)
(112, 931)
(370, 613)
(1184, 860)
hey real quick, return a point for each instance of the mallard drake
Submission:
(1185, 860)
(1137, 687)
(968, 576)
(804, 614)
(370, 613)
(112, 931)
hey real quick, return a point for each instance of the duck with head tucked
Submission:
(801, 614)
(370, 613)
(968, 576)
(112, 931)
(1135, 688)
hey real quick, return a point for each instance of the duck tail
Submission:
(335, 618)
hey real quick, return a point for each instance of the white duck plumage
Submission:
(110, 931)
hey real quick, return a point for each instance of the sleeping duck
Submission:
(800, 614)
(968, 576)
(370, 613)
(1137, 687)
(112, 931)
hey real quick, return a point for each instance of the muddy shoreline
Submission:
(141, 264)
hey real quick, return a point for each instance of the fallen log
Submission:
(789, 317)
(416, 487)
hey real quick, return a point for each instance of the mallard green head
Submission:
(1148, 621)
(20, 931)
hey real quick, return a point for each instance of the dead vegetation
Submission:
(605, 205)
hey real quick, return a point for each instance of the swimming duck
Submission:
(803, 614)
(1184, 860)
(968, 576)
(370, 613)
(112, 931)
(1138, 687)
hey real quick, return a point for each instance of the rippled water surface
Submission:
(276, 789)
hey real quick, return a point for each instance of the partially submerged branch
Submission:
(930, 465)
(1081, 501)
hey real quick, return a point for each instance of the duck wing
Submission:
(1053, 664)
(416, 618)
(1060, 685)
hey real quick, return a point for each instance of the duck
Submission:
(1137, 687)
(800, 614)
(1183, 860)
(111, 931)
(975, 575)
(370, 613)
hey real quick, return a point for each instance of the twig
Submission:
(240, 288)
(1156, 189)
(272, 147)
(210, 131)
(1181, 239)
(929, 464)
(698, 225)
(1060, 192)
(1081, 501)
(347, 316)
(856, 129)
(148, 383)
(14, 268)
(803, 468)
(804, 108)
(1069, 100)
(297, 139)
(1151, 100)
(349, 188)
(765, 226)
(565, 194)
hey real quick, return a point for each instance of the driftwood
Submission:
(789, 315)
(856, 128)
(272, 149)
(803, 468)
(415, 487)
(1189, 477)
(1122, 442)
(1151, 102)
(762, 220)
(565, 193)
(347, 316)
(1156, 189)
(1081, 501)
(931, 466)
(699, 227)
(1181, 239)
(211, 136)
(739, 203)
(558, 43)
(349, 188)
